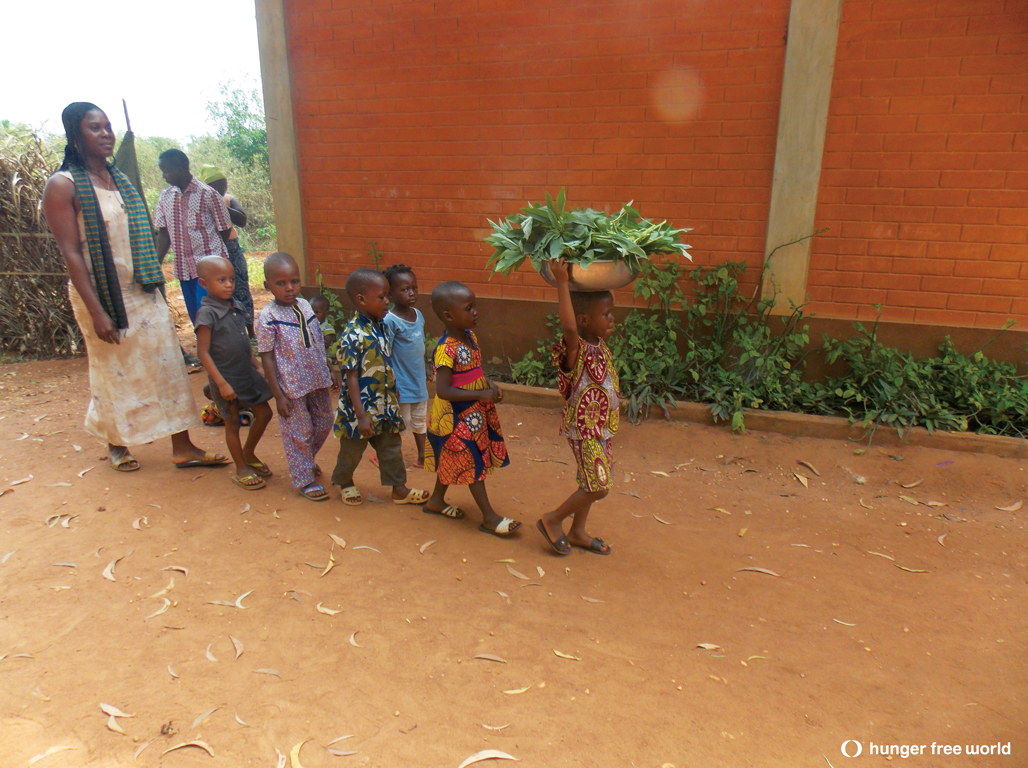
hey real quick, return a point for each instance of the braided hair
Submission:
(75, 149)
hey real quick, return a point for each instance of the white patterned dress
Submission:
(140, 388)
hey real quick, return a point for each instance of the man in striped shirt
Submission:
(191, 219)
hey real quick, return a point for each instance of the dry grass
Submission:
(35, 316)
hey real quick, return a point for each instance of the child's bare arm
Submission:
(568, 322)
(271, 374)
(364, 425)
(445, 390)
(203, 351)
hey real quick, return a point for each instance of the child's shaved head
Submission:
(446, 294)
(319, 302)
(277, 261)
(584, 301)
(362, 280)
(211, 266)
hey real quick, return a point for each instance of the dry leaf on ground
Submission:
(910, 570)
(273, 672)
(590, 599)
(113, 725)
(490, 657)
(495, 727)
(49, 752)
(353, 640)
(162, 609)
(566, 655)
(913, 484)
(879, 554)
(755, 569)
(210, 655)
(517, 574)
(327, 611)
(516, 691)
(113, 711)
(237, 644)
(294, 755)
(338, 540)
(809, 466)
(708, 646)
(204, 716)
(802, 478)
(1012, 508)
(661, 520)
(941, 539)
(486, 754)
(198, 744)
(426, 545)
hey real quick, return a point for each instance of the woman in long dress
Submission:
(138, 382)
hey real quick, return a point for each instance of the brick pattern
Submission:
(418, 121)
(925, 177)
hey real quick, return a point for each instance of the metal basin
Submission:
(598, 276)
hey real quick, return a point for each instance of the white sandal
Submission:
(504, 528)
(351, 496)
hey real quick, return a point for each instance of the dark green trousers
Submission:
(390, 459)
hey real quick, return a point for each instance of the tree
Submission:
(239, 116)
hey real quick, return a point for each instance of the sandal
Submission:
(123, 462)
(246, 485)
(209, 460)
(351, 496)
(450, 511)
(561, 546)
(414, 496)
(314, 492)
(260, 468)
(504, 528)
(596, 546)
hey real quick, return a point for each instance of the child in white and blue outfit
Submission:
(406, 327)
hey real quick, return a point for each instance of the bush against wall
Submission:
(728, 351)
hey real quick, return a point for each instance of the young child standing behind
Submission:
(465, 442)
(289, 341)
(407, 335)
(368, 411)
(320, 306)
(588, 381)
(223, 347)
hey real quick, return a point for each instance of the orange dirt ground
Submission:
(876, 628)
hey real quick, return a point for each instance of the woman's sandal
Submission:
(351, 496)
(209, 460)
(503, 529)
(123, 462)
(450, 511)
(243, 483)
(314, 492)
(414, 496)
(260, 468)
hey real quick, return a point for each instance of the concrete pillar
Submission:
(802, 122)
(278, 111)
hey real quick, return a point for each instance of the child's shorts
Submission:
(594, 458)
(224, 409)
(414, 416)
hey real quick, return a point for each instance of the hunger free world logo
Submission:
(854, 748)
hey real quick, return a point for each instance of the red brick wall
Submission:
(417, 121)
(925, 179)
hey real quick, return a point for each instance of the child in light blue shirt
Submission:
(406, 327)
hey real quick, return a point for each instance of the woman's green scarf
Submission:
(146, 267)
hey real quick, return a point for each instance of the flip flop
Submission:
(312, 488)
(560, 546)
(596, 546)
(504, 528)
(352, 496)
(260, 468)
(209, 460)
(241, 482)
(414, 496)
(450, 511)
(120, 464)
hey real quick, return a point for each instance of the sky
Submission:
(166, 60)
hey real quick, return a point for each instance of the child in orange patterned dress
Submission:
(465, 442)
(588, 381)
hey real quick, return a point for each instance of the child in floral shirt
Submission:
(368, 410)
(589, 383)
